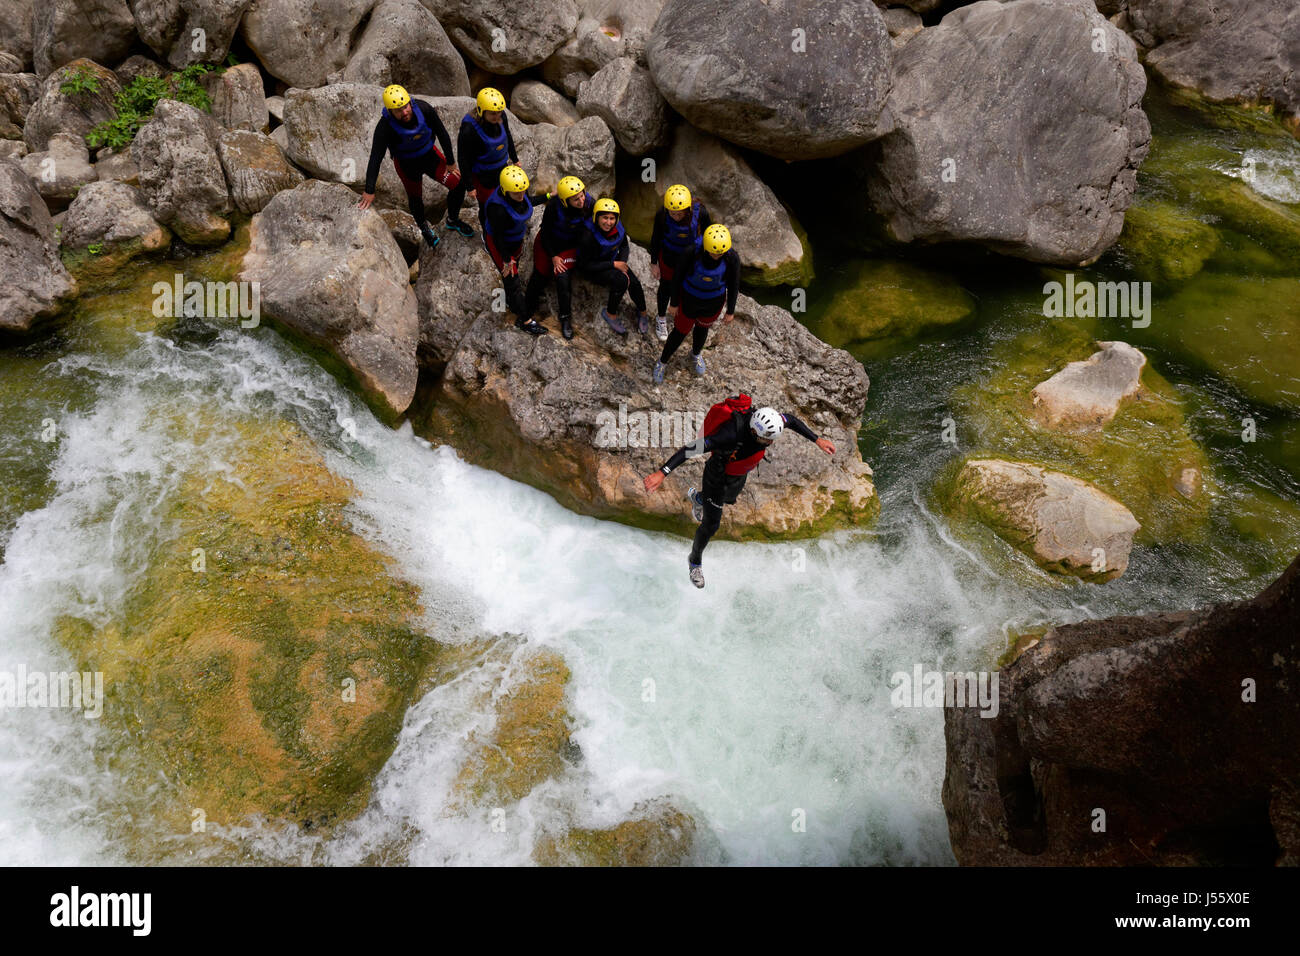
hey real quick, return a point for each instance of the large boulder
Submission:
(983, 151)
(606, 30)
(1066, 525)
(506, 39)
(334, 275)
(16, 30)
(403, 43)
(535, 102)
(189, 31)
(60, 170)
(1181, 727)
(256, 169)
(113, 166)
(180, 173)
(239, 98)
(583, 421)
(623, 95)
(585, 149)
(796, 80)
(1237, 51)
(66, 30)
(303, 41)
(75, 112)
(33, 283)
(1087, 394)
(18, 91)
(767, 237)
(107, 225)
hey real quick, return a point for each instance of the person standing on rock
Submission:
(555, 248)
(677, 231)
(602, 259)
(485, 144)
(707, 280)
(736, 437)
(505, 225)
(407, 129)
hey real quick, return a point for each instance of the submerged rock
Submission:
(1087, 394)
(1064, 524)
(983, 150)
(1179, 727)
(1164, 244)
(890, 299)
(272, 678)
(657, 834)
(334, 274)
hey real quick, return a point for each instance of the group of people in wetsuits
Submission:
(697, 270)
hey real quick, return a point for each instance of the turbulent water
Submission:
(770, 694)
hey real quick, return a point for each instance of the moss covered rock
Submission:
(885, 298)
(1164, 243)
(658, 834)
(1139, 457)
(265, 661)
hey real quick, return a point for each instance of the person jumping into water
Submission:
(736, 436)
(407, 129)
(677, 231)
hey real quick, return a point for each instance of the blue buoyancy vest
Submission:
(412, 141)
(568, 224)
(706, 281)
(519, 216)
(608, 243)
(681, 237)
(495, 154)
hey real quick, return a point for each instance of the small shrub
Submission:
(135, 104)
(78, 81)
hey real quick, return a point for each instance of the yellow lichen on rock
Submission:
(661, 835)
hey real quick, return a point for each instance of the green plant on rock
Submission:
(95, 248)
(134, 106)
(79, 81)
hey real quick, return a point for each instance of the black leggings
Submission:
(563, 292)
(604, 273)
(719, 489)
(675, 338)
(427, 165)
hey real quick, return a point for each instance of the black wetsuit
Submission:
(734, 440)
(664, 257)
(596, 264)
(432, 164)
(696, 315)
(497, 224)
(469, 146)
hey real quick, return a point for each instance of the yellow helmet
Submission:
(677, 197)
(490, 99)
(514, 180)
(717, 239)
(395, 97)
(604, 205)
(569, 187)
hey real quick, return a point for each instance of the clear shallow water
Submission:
(771, 687)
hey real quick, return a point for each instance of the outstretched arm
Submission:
(724, 437)
(796, 424)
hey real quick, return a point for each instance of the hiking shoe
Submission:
(430, 236)
(661, 328)
(613, 322)
(699, 364)
(643, 323)
(532, 327)
(566, 327)
(658, 373)
(697, 505)
(697, 574)
(461, 228)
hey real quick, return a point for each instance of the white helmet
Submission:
(767, 423)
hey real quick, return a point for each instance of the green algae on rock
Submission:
(1138, 458)
(1164, 244)
(657, 834)
(265, 661)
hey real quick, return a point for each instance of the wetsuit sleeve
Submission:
(548, 221)
(796, 424)
(499, 222)
(733, 280)
(705, 219)
(588, 251)
(724, 438)
(621, 255)
(468, 146)
(510, 140)
(657, 237)
(686, 265)
(439, 131)
(378, 146)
